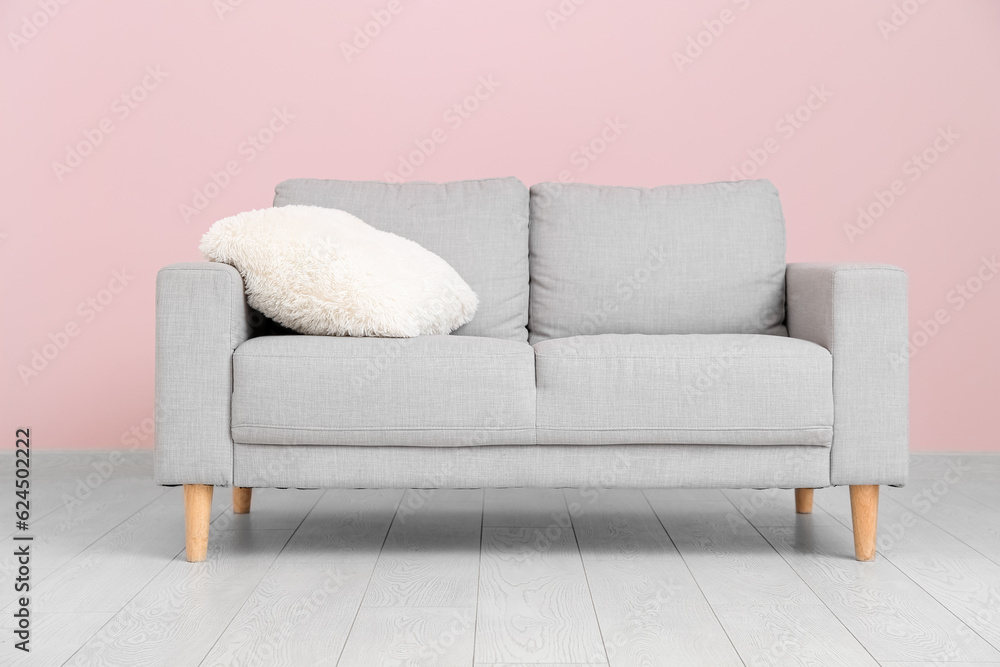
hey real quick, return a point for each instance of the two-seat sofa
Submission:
(626, 337)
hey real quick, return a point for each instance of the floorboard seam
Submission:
(957, 538)
(150, 581)
(262, 577)
(361, 602)
(694, 578)
(891, 562)
(479, 577)
(586, 578)
(802, 579)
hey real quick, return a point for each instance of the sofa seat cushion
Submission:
(722, 389)
(424, 391)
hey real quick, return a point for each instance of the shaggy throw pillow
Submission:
(323, 271)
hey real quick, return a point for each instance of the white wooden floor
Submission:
(506, 576)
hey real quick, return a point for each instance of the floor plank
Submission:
(986, 491)
(802, 634)
(524, 507)
(617, 524)
(509, 576)
(959, 577)
(106, 575)
(940, 664)
(179, 616)
(929, 466)
(431, 554)
(78, 523)
(394, 636)
(731, 561)
(77, 479)
(346, 524)
(774, 507)
(534, 603)
(966, 519)
(54, 637)
(894, 618)
(299, 614)
(270, 509)
(652, 608)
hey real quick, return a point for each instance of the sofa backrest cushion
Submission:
(479, 227)
(678, 259)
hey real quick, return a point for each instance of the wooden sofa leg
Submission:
(197, 516)
(803, 501)
(241, 499)
(864, 514)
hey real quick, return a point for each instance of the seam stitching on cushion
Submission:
(388, 428)
(687, 428)
(710, 356)
(251, 355)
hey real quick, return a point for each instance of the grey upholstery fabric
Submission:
(692, 260)
(201, 317)
(858, 312)
(479, 227)
(425, 391)
(670, 260)
(629, 466)
(723, 389)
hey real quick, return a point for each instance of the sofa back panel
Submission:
(479, 227)
(677, 259)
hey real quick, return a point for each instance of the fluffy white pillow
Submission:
(323, 271)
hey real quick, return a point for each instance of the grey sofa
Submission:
(626, 337)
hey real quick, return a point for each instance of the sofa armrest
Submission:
(859, 313)
(201, 317)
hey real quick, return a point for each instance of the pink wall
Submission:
(170, 93)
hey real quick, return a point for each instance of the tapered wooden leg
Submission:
(241, 499)
(197, 516)
(864, 513)
(803, 501)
